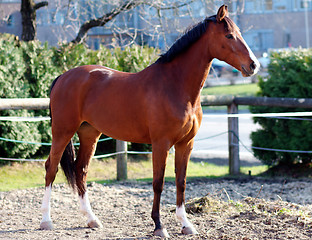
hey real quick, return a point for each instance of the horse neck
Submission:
(189, 70)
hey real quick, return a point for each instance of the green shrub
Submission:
(12, 68)
(290, 74)
(14, 85)
(134, 58)
(27, 70)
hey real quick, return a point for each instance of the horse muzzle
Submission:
(250, 70)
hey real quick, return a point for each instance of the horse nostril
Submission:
(253, 66)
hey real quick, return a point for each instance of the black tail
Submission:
(68, 158)
(68, 164)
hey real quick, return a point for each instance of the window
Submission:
(260, 40)
(253, 6)
(50, 17)
(11, 21)
(96, 44)
(263, 6)
(281, 5)
(301, 4)
(268, 5)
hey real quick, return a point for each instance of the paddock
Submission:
(278, 210)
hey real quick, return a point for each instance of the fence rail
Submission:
(24, 103)
(212, 100)
(231, 102)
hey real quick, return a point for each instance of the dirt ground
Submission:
(231, 209)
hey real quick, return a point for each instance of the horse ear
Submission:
(222, 13)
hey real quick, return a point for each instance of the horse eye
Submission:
(230, 36)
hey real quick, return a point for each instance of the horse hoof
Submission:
(161, 233)
(189, 230)
(95, 224)
(46, 225)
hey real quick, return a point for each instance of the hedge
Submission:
(290, 75)
(27, 70)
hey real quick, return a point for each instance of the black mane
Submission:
(190, 37)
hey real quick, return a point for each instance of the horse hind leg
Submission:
(46, 222)
(57, 149)
(88, 137)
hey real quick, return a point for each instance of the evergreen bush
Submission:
(27, 70)
(13, 85)
(290, 75)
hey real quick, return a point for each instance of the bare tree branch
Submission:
(40, 5)
(97, 22)
(174, 5)
(128, 5)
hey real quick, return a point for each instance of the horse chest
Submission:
(188, 125)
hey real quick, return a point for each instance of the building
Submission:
(10, 18)
(270, 24)
(265, 24)
(52, 23)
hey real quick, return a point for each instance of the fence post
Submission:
(234, 164)
(121, 146)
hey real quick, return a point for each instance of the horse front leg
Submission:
(160, 154)
(182, 155)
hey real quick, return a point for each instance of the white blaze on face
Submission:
(253, 57)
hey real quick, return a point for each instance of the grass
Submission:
(27, 175)
(241, 90)
(23, 175)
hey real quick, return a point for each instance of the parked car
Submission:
(219, 68)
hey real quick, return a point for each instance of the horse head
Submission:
(229, 45)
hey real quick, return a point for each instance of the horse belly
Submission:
(121, 121)
(126, 131)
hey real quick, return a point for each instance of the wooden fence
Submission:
(231, 102)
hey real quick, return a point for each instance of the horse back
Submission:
(111, 101)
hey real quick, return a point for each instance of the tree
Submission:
(157, 19)
(162, 18)
(98, 22)
(28, 12)
(127, 5)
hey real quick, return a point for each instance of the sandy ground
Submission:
(236, 209)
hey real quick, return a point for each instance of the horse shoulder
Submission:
(190, 123)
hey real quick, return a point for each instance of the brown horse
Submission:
(159, 105)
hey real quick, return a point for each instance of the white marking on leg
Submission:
(86, 209)
(187, 227)
(181, 215)
(45, 207)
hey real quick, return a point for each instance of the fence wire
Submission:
(286, 116)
